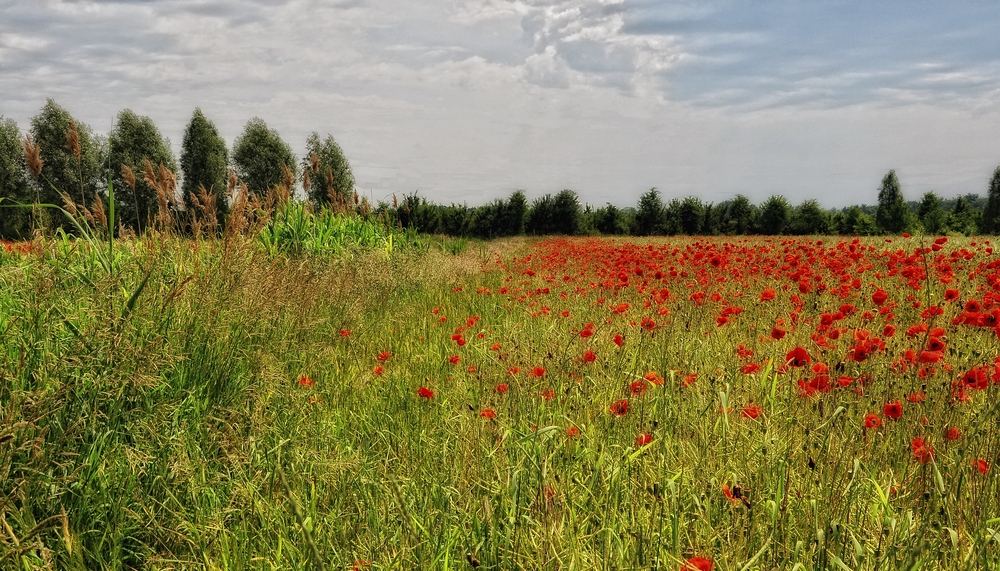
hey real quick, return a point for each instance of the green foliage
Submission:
(610, 220)
(260, 157)
(892, 215)
(775, 215)
(295, 229)
(554, 215)
(500, 218)
(855, 222)
(417, 214)
(62, 171)
(329, 172)
(810, 218)
(15, 223)
(963, 218)
(740, 216)
(135, 140)
(650, 215)
(932, 216)
(990, 222)
(204, 162)
(691, 215)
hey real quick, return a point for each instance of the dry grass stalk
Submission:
(306, 182)
(73, 140)
(206, 201)
(129, 175)
(69, 205)
(315, 162)
(100, 216)
(33, 157)
(231, 183)
(237, 222)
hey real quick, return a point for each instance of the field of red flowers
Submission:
(689, 403)
(703, 403)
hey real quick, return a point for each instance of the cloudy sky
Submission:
(467, 100)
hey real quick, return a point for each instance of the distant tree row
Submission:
(62, 159)
(563, 214)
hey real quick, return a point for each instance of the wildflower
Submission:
(872, 421)
(643, 439)
(777, 333)
(619, 340)
(653, 377)
(488, 413)
(981, 465)
(750, 368)
(950, 294)
(893, 410)
(454, 359)
(922, 450)
(502, 388)
(589, 356)
(797, 357)
(378, 370)
(638, 388)
(767, 295)
(548, 394)
(619, 408)
(537, 372)
(495, 347)
(952, 433)
(425, 393)
(879, 297)
(384, 356)
(572, 431)
(751, 411)
(305, 381)
(688, 380)
(345, 333)
(697, 564)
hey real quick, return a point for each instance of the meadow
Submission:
(554, 403)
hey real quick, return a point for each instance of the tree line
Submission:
(61, 159)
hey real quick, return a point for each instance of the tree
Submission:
(260, 157)
(891, 215)
(328, 172)
(774, 215)
(931, 214)
(138, 147)
(15, 223)
(692, 215)
(963, 218)
(810, 218)
(739, 217)
(71, 155)
(990, 223)
(555, 215)
(610, 220)
(854, 222)
(649, 217)
(205, 163)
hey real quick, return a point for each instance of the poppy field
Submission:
(560, 403)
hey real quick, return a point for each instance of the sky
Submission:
(466, 101)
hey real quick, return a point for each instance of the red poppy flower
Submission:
(923, 452)
(643, 439)
(619, 408)
(488, 413)
(586, 333)
(653, 377)
(454, 359)
(767, 295)
(935, 344)
(688, 380)
(893, 410)
(425, 392)
(950, 294)
(619, 340)
(777, 333)
(305, 381)
(589, 356)
(750, 368)
(916, 397)
(697, 564)
(495, 347)
(879, 297)
(981, 465)
(384, 356)
(572, 431)
(548, 394)
(797, 357)
(872, 421)
(638, 388)
(345, 332)
(378, 370)
(502, 388)
(976, 378)
(537, 372)
(952, 433)
(751, 411)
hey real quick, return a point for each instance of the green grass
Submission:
(174, 432)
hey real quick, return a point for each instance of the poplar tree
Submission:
(204, 162)
(891, 215)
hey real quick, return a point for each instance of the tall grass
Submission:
(257, 408)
